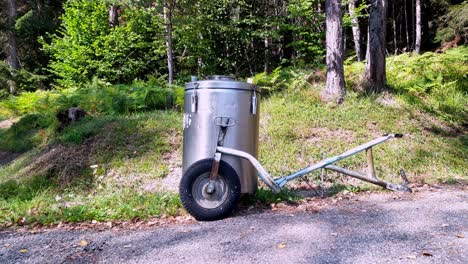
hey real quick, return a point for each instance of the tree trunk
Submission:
(413, 31)
(395, 48)
(266, 62)
(356, 30)
(335, 87)
(11, 49)
(418, 27)
(375, 59)
(406, 27)
(168, 8)
(114, 15)
(39, 6)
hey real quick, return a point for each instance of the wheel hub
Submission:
(210, 193)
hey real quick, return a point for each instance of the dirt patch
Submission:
(6, 124)
(65, 163)
(172, 179)
(388, 100)
(317, 134)
(173, 160)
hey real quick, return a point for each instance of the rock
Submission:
(70, 115)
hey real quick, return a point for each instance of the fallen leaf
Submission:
(7, 245)
(281, 245)
(427, 254)
(21, 221)
(23, 250)
(461, 236)
(83, 243)
(411, 256)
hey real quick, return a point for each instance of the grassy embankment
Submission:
(110, 165)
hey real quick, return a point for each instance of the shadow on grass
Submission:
(30, 131)
(99, 141)
(25, 190)
(266, 197)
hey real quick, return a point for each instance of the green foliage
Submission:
(309, 45)
(281, 79)
(25, 80)
(359, 12)
(88, 47)
(214, 37)
(453, 23)
(33, 20)
(179, 93)
(97, 97)
(435, 83)
(266, 196)
(78, 132)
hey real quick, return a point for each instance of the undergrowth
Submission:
(105, 166)
(433, 83)
(97, 97)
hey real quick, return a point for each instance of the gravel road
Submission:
(429, 226)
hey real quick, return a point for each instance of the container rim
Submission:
(220, 84)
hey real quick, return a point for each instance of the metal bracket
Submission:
(373, 180)
(214, 173)
(370, 163)
(194, 99)
(223, 123)
(254, 103)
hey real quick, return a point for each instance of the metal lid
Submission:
(219, 82)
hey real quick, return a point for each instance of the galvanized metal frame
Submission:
(278, 183)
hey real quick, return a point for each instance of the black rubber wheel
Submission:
(198, 202)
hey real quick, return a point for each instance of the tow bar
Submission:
(276, 184)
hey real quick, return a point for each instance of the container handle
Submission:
(224, 121)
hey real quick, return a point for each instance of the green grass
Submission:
(48, 205)
(102, 168)
(296, 132)
(30, 131)
(95, 169)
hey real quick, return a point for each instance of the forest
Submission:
(59, 44)
(342, 71)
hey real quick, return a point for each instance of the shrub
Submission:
(97, 97)
(281, 79)
(87, 47)
(435, 83)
